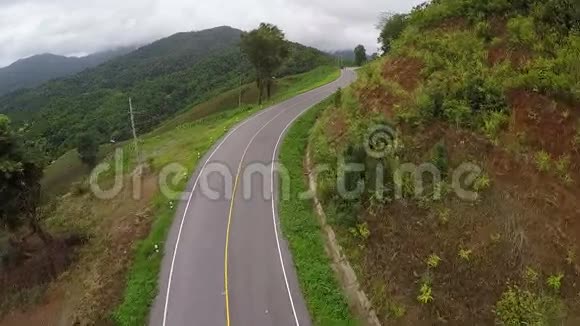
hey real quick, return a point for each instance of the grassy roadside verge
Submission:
(185, 145)
(325, 300)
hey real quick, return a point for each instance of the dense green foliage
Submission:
(266, 49)
(561, 16)
(88, 148)
(360, 55)
(391, 26)
(163, 78)
(521, 307)
(20, 172)
(462, 86)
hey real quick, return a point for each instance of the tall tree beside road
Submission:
(21, 168)
(88, 148)
(266, 48)
(360, 55)
(391, 27)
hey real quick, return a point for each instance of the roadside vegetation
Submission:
(114, 246)
(321, 290)
(491, 83)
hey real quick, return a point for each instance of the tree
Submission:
(391, 26)
(88, 148)
(360, 55)
(266, 48)
(21, 168)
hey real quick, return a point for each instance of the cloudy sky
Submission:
(77, 27)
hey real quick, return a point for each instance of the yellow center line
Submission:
(227, 293)
(228, 241)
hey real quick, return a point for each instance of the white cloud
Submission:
(29, 27)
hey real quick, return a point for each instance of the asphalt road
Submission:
(226, 261)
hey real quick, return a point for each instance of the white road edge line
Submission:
(165, 310)
(274, 217)
(188, 204)
(240, 169)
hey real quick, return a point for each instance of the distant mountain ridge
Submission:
(38, 69)
(344, 54)
(163, 78)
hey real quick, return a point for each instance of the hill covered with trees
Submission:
(163, 78)
(35, 70)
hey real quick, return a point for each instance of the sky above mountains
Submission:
(72, 27)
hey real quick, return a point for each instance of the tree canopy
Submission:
(266, 48)
(391, 26)
(21, 168)
(88, 148)
(360, 55)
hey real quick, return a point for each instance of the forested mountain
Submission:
(35, 70)
(347, 54)
(162, 78)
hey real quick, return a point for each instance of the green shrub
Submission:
(521, 31)
(433, 261)
(493, 122)
(558, 74)
(430, 101)
(530, 275)
(560, 15)
(568, 65)
(482, 182)
(555, 281)
(396, 310)
(440, 158)
(483, 30)
(576, 139)
(457, 111)
(562, 165)
(541, 76)
(338, 98)
(521, 307)
(543, 161)
(484, 95)
(425, 293)
(392, 25)
(345, 213)
(465, 254)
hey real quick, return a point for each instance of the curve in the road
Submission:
(258, 285)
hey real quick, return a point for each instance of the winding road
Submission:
(226, 261)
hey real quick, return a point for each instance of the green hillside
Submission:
(469, 132)
(35, 70)
(163, 78)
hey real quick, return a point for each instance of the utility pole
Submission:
(240, 95)
(135, 139)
